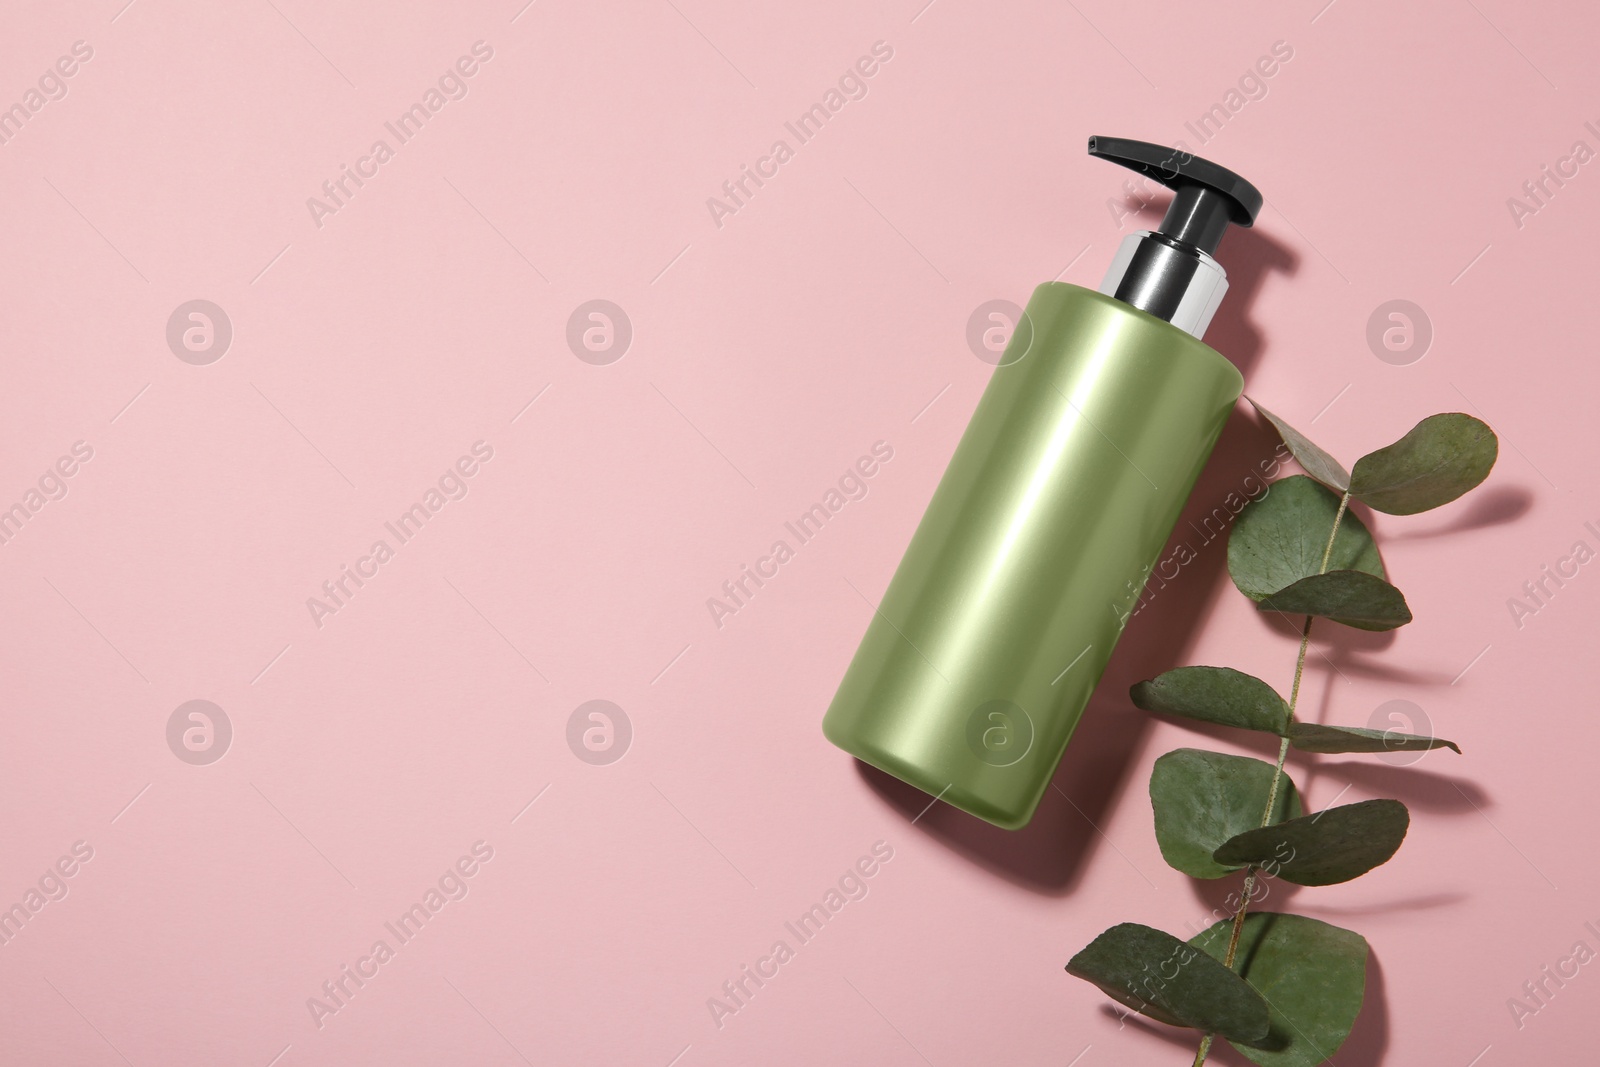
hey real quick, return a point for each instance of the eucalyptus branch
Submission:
(1277, 775)
(1206, 804)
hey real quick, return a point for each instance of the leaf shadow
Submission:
(1369, 1038)
(1425, 902)
(1187, 1040)
(1328, 635)
(1272, 894)
(1416, 788)
(1258, 743)
(1337, 649)
(1367, 668)
(1491, 507)
(1171, 1035)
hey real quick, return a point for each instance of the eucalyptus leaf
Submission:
(1327, 848)
(1202, 799)
(1158, 975)
(1441, 458)
(1312, 737)
(1279, 538)
(1354, 598)
(1317, 463)
(1214, 694)
(1313, 976)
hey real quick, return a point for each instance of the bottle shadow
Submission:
(1251, 256)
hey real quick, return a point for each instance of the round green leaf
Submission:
(1279, 538)
(1170, 980)
(1312, 737)
(1440, 459)
(1202, 799)
(1214, 694)
(1354, 598)
(1313, 976)
(1327, 848)
(1317, 463)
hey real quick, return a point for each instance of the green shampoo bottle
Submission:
(999, 621)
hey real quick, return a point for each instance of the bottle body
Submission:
(1004, 611)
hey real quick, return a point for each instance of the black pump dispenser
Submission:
(1169, 272)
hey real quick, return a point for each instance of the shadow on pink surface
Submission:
(1427, 791)
(1490, 506)
(1249, 256)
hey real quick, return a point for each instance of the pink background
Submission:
(368, 354)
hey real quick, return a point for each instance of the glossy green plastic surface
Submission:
(1003, 613)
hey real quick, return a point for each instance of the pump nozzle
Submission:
(1209, 197)
(1170, 273)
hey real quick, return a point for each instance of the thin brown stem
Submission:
(1277, 775)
